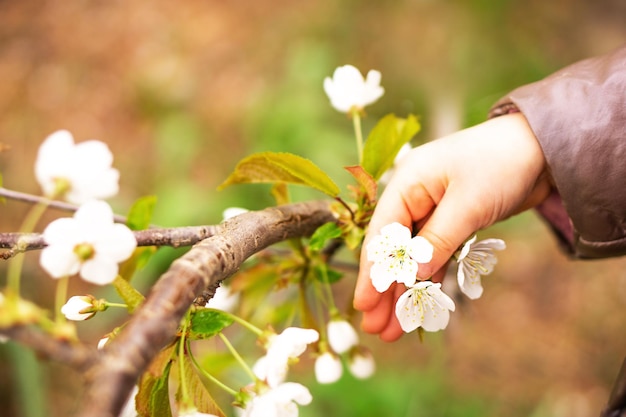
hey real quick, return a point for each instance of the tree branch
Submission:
(175, 236)
(77, 355)
(153, 326)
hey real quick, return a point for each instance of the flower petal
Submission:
(59, 261)
(99, 271)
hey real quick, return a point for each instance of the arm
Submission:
(564, 153)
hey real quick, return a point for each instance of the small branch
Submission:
(175, 236)
(76, 355)
(208, 263)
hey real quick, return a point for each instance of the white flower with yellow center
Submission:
(348, 91)
(476, 259)
(424, 305)
(89, 243)
(75, 172)
(396, 256)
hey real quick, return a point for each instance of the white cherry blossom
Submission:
(341, 335)
(75, 172)
(79, 308)
(89, 243)
(224, 299)
(349, 91)
(425, 305)
(476, 259)
(396, 256)
(328, 368)
(279, 401)
(289, 344)
(361, 363)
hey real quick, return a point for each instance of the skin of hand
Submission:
(448, 189)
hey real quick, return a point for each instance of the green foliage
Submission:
(128, 293)
(153, 397)
(140, 214)
(384, 142)
(325, 274)
(277, 167)
(324, 233)
(206, 322)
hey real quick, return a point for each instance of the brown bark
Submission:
(153, 326)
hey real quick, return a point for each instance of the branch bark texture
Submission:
(209, 262)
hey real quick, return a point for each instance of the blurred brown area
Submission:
(180, 92)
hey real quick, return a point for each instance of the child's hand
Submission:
(449, 189)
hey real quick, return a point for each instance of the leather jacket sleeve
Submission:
(578, 114)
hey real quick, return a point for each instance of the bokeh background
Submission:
(182, 90)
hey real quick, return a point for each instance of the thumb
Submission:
(452, 222)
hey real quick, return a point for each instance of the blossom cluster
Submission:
(396, 256)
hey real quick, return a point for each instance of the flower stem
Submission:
(356, 121)
(60, 298)
(14, 269)
(237, 356)
(206, 374)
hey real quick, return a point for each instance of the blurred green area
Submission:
(182, 90)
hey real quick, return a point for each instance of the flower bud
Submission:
(328, 368)
(341, 335)
(361, 363)
(79, 308)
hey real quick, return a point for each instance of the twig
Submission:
(175, 236)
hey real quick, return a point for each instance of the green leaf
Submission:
(153, 399)
(324, 274)
(281, 167)
(384, 142)
(323, 233)
(202, 399)
(128, 293)
(140, 213)
(206, 323)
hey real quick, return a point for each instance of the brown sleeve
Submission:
(578, 114)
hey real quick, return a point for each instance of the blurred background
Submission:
(181, 91)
